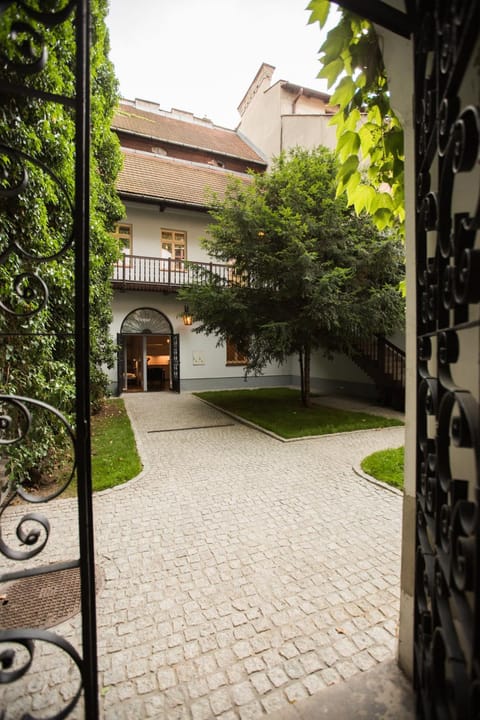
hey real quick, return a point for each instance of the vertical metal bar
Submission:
(82, 361)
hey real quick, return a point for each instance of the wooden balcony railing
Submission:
(137, 272)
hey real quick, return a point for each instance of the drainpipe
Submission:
(294, 106)
(295, 100)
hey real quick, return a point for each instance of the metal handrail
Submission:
(147, 270)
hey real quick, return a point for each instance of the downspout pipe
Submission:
(295, 100)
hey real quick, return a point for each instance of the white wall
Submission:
(308, 131)
(261, 122)
(148, 221)
(202, 363)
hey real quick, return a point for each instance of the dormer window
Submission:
(216, 163)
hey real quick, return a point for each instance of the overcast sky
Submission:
(202, 55)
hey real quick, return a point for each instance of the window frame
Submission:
(233, 356)
(174, 244)
(126, 251)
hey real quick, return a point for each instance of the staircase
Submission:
(384, 362)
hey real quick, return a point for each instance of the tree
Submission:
(369, 134)
(36, 287)
(307, 272)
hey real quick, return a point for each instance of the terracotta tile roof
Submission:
(192, 134)
(165, 179)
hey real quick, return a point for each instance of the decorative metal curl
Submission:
(15, 427)
(464, 525)
(19, 157)
(27, 638)
(32, 51)
(30, 289)
(7, 423)
(27, 43)
(449, 677)
(461, 430)
(49, 19)
(31, 537)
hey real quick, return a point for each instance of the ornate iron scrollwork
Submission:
(26, 261)
(447, 594)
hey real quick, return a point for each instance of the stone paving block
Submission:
(242, 693)
(261, 683)
(242, 649)
(252, 711)
(236, 673)
(313, 683)
(166, 678)
(380, 652)
(220, 701)
(277, 676)
(293, 668)
(295, 692)
(201, 709)
(274, 702)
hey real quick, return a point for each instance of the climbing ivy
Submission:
(369, 134)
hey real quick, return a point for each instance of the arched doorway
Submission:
(148, 355)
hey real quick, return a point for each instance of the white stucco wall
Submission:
(148, 221)
(261, 122)
(398, 57)
(202, 363)
(308, 131)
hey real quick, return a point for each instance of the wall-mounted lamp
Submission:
(187, 317)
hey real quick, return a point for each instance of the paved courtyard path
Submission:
(239, 574)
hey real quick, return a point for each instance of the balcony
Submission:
(137, 272)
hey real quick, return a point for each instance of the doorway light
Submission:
(187, 317)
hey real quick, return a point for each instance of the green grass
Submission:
(386, 465)
(280, 411)
(114, 453)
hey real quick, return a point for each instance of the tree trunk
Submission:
(306, 380)
(304, 360)
(302, 388)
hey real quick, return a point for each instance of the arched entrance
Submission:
(148, 355)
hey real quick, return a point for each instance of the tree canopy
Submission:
(36, 224)
(307, 272)
(369, 134)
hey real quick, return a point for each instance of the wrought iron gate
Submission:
(29, 542)
(447, 593)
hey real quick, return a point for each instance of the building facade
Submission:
(172, 161)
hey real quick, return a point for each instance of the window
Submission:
(123, 234)
(234, 357)
(174, 242)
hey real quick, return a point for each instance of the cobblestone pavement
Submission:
(239, 574)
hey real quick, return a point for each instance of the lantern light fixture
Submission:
(187, 316)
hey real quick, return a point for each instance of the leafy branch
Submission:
(369, 134)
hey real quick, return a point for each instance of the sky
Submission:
(202, 55)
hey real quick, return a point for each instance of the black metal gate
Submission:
(447, 592)
(176, 363)
(28, 538)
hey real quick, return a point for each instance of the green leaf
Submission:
(382, 218)
(374, 115)
(352, 184)
(344, 92)
(337, 40)
(348, 144)
(319, 11)
(348, 168)
(363, 198)
(331, 71)
(352, 120)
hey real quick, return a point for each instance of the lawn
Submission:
(386, 465)
(114, 453)
(280, 411)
